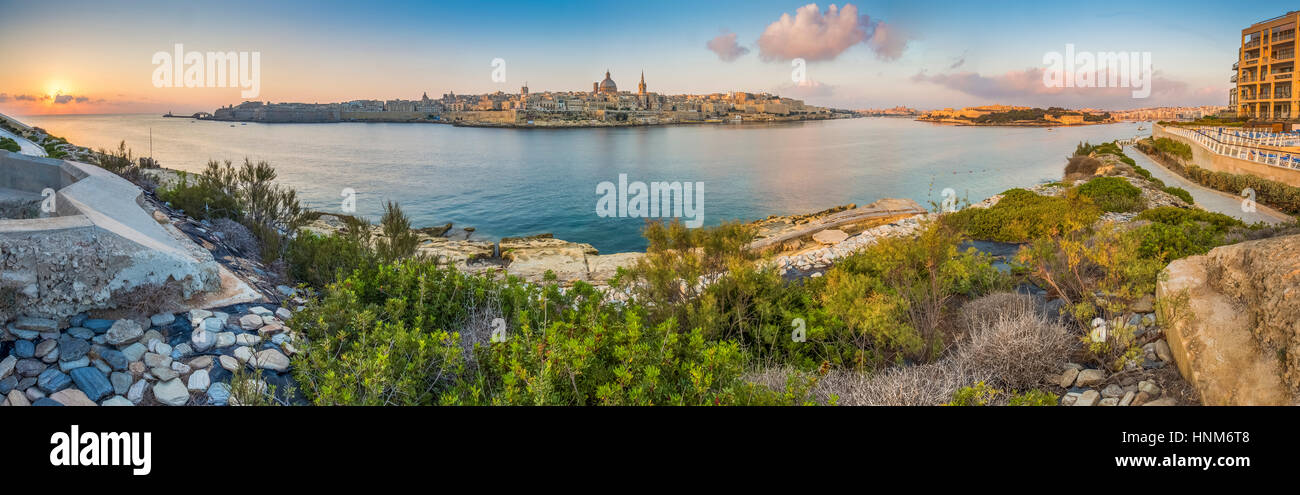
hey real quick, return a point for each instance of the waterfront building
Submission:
(1265, 69)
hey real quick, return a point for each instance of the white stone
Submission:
(199, 381)
(225, 339)
(136, 393)
(171, 392)
(270, 359)
(202, 340)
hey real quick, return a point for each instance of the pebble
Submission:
(122, 332)
(283, 313)
(1149, 387)
(219, 394)
(1088, 398)
(163, 374)
(201, 362)
(134, 352)
(81, 333)
(1090, 377)
(92, 382)
(136, 393)
(72, 397)
(162, 319)
(1163, 351)
(199, 381)
(24, 349)
(225, 339)
(53, 355)
(153, 360)
(171, 392)
(115, 359)
(201, 339)
(45, 347)
(117, 400)
(229, 363)
(121, 382)
(53, 380)
(72, 348)
(1112, 391)
(1127, 399)
(67, 366)
(29, 367)
(247, 339)
(213, 324)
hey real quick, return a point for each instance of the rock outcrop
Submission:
(1233, 321)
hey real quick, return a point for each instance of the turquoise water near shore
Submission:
(509, 182)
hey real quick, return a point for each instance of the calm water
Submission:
(508, 182)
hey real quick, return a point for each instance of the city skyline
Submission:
(858, 55)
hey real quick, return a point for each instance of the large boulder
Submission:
(1232, 319)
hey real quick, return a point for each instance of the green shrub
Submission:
(1176, 232)
(398, 241)
(320, 260)
(9, 145)
(979, 394)
(1180, 193)
(407, 334)
(1173, 147)
(1034, 397)
(1173, 216)
(1021, 216)
(200, 201)
(1113, 194)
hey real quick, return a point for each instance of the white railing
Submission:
(1244, 145)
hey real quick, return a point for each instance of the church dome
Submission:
(608, 86)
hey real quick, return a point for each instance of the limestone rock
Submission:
(1233, 313)
(171, 392)
(830, 236)
(1090, 377)
(123, 331)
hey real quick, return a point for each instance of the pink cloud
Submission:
(1027, 88)
(726, 47)
(814, 35)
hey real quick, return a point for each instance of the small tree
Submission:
(398, 241)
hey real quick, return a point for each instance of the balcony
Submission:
(1251, 44)
(1283, 55)
(1282, 75)
(1284, 36)
(1234, 78)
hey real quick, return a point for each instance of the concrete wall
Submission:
(102, 247)
(1210, 160)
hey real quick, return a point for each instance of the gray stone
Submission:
(67, 366)
(259, 311)
(92, 382)
(123, 331)
(34, 394)
(156, 360)
(8, 384)
(44, 348)
(23, 334)
(115, 359)
(201, 339)
(283, 313)
(1112, 391)
(72, 348)
(247, 339)
(1088, 398)
(53, 380)
(36, 324)
(150, 337)
(199, 381)
(1090, 377)
(198, 315)
(162, 319)
(29, 367)
(180, 367)
(117, 400)
(171, 392)
(243, 354)
(121, 382)
(161, 348)
(1149, 387)
(181, 350)
(250, 322)
(218, 394)
(81, 333)
(1128, 398)
(134, 352)
(270, 359)
(225, 339)
(164, 374)
(214, 324)
(53, 356)
(1163, 351)
(1109, 401)
(17, 398)
(100, 365)
(136, 393)
(229, 363)
(7, 366)
(201, 362)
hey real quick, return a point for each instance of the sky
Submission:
(78, 57)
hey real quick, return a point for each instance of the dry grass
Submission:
(1007, 344)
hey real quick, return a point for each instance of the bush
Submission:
(1172, 147)
(386, 335)
(1010, 344)
(1180, 193)
(9, 145)
(1176, 232)
(979, 394)
(320, 260)
(1113, 194)
(1021, 216)
(398, 242)
(199, 200)
(1034, 397)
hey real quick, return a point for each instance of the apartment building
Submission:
(1265, 70)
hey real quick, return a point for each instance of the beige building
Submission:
(1265, 70)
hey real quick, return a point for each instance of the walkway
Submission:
(1207, 198)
